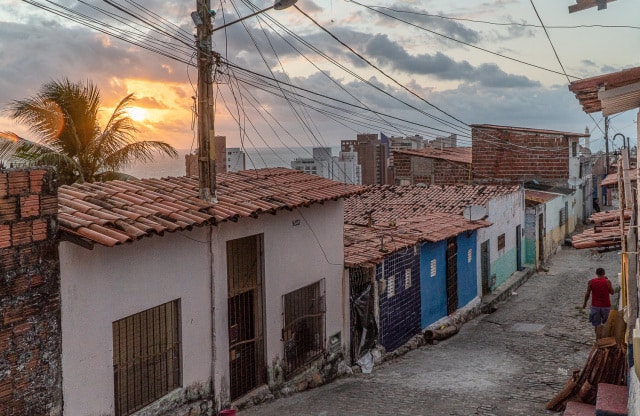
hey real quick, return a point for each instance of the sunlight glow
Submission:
(137, 114)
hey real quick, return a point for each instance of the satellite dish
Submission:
(573, 181)
(474, 212)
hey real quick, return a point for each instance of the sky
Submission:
(427, 67)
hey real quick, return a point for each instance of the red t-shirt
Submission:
(600, 292)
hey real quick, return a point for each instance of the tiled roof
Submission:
(369, 245)
(385, 203)
(595, 93)
(529, 130)
(116, 212)
(452, 154)
(612, 179)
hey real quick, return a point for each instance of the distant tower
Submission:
(586, 139)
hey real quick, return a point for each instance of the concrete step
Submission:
(579, 409)
(612, 400)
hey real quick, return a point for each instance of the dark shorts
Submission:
(598, 316)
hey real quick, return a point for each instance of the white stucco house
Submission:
(168, 299)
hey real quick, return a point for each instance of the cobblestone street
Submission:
(507, 363)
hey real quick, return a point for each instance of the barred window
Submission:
(564, 213)
(146, 356)
(303, 329)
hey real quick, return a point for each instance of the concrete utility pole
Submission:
(206, 146)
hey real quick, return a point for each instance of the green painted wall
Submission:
(504, 266)
(529, 251)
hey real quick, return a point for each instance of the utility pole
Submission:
(606, 143)
(206, 135)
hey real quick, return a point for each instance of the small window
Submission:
(469, 255)
(563, 214)
(433, 268)
(407, 278)
(391, 286)
(146, 357)
(501, 242)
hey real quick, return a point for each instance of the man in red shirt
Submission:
(601, 288)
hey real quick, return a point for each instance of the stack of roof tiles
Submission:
(606, 231)
(116, 212)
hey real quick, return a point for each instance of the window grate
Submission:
(303, 329)
(146, 356)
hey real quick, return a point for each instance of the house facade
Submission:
(408, 275)
(499, 247)
(169, 301)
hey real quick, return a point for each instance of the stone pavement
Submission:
(507, 363)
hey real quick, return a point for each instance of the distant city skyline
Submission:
(476, 61)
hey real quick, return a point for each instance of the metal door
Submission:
(484, 267)
(519, 247)
(452, 276)
(245, 303)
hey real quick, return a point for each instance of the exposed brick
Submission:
(21, 233)
(18, 182)
(39, 230)
(29, 205)
(4, 185)
(22, 328)
(5, 235)
(36, 281)
(48, 204)
(36, 178)
(19, 285)
(8, 209)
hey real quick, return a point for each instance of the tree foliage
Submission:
(64, 116)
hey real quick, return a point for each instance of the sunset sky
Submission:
(432, 72)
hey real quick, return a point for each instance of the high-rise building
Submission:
(225, 158)
(372, 156)
(343, 168)
(235, 160)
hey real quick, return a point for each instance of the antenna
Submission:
(474, 212)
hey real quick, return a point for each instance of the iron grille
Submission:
(452, 276)
(303, 327)
(146, 356)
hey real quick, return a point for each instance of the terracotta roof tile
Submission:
(385, 203)
(369, 245)
(115, 212)
(538, 197)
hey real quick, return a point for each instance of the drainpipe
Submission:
(213, 317)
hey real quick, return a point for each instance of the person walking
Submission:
(599, 289)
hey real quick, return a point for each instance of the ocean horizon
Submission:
(256, 158)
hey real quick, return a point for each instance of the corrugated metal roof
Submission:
(117, 212)
(384, 203)
(369, 245)
(539, 196)
(452, 154)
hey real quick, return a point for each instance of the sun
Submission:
(137, 114)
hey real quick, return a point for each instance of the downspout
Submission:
(213, 318)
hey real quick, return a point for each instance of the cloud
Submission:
(392, 54)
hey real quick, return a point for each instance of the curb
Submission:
(505, 290)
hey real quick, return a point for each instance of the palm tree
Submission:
(64, 117)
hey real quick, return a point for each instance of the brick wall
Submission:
(518, 156)
(30, 343)
(420, 169)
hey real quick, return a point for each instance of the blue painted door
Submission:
(433, 289)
